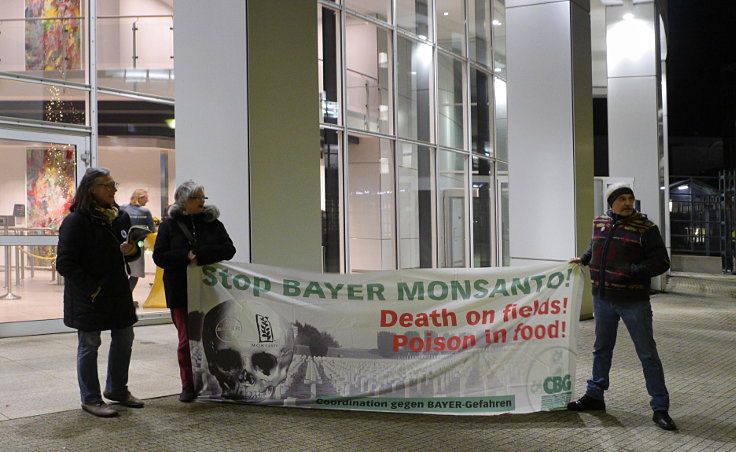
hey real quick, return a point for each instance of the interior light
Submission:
(496, 23)
(628, 16)
(683, 187)
(445, 13)
(171, 123)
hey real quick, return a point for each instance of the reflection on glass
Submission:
(499, 38)
(479, 29)
(450, 105)
(451, 213)
(416, 206)
(38, 102)
(380, 9)
(481, 105)
(501, 119)
(368, 55)
(371, 204)
(451, 25)
(482, 212)
(502, 178)
(38, 186)
(41, 39)
(330, 196)
(414, 70)
(414, 17)
(328, 63)
(136, 53)
(137, 144)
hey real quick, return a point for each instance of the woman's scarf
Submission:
(104, 215)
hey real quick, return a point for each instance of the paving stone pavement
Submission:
(696, 335)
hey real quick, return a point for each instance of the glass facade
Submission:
(411, 176)
(68, 102)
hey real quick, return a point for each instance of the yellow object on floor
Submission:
(157, 297)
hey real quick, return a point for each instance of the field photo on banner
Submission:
(445, 341)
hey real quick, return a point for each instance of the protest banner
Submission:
(478, 341)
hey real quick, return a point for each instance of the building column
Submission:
(550, 127)
(248, 122)
(636, 127)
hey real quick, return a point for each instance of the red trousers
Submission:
(180, 316)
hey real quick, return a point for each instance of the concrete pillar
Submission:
(550, 131)
(247, 122)
(635, 107)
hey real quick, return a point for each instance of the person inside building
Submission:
(626, 251)
(92, 254)
(139, 215)
(191, 235)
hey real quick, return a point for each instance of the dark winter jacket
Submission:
(89, 258)
(624, 254)
(211, 244)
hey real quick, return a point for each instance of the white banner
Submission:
(452, 341)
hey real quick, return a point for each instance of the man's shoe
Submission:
(187, 395)
(663, 420)
(100, 409)
(125, 399)
(587, 403)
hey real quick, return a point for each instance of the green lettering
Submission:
(355, 292)
(224, 276)
(416, 292)
(291, 288)
(500, 288)
(313, 288)
(479, 285)
(443, 290)
(241, 282)
(460, 292)
(334, 289)
(521, 286)
(559, 277)
(539, 279)
(375, 290)
(209, 273)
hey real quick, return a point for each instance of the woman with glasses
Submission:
(139, 215)
(92, 257)
(191, 235)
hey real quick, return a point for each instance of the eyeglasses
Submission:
(198, 197)
(111, 185)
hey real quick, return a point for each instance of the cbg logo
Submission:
(553, 385)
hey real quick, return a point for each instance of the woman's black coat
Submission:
(89, 257)
(213, 244)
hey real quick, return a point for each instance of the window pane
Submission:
(481, 106)
(39, 102)
(380, 9)
(48, 40)
(371, 204)
(501, 119)
(451, 25)
(414, 17)
(451, 214)
(503, 219)
(368, 55)
(136, 143)
(135, 47)
(415, 73)
(499, 38)
(328, 63)
(416, 206)
(331, 212)
(450, 101)
(483, 229)
(479, 27)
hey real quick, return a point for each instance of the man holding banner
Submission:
(626, 251)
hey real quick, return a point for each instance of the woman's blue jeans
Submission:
(637, 316)
(118, 361)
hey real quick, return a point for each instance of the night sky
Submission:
(701, 43)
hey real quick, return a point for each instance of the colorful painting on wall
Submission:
(53, 43)
(49, 185)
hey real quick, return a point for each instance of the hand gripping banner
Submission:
(479, 341)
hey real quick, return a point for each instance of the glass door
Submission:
(40, 174)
